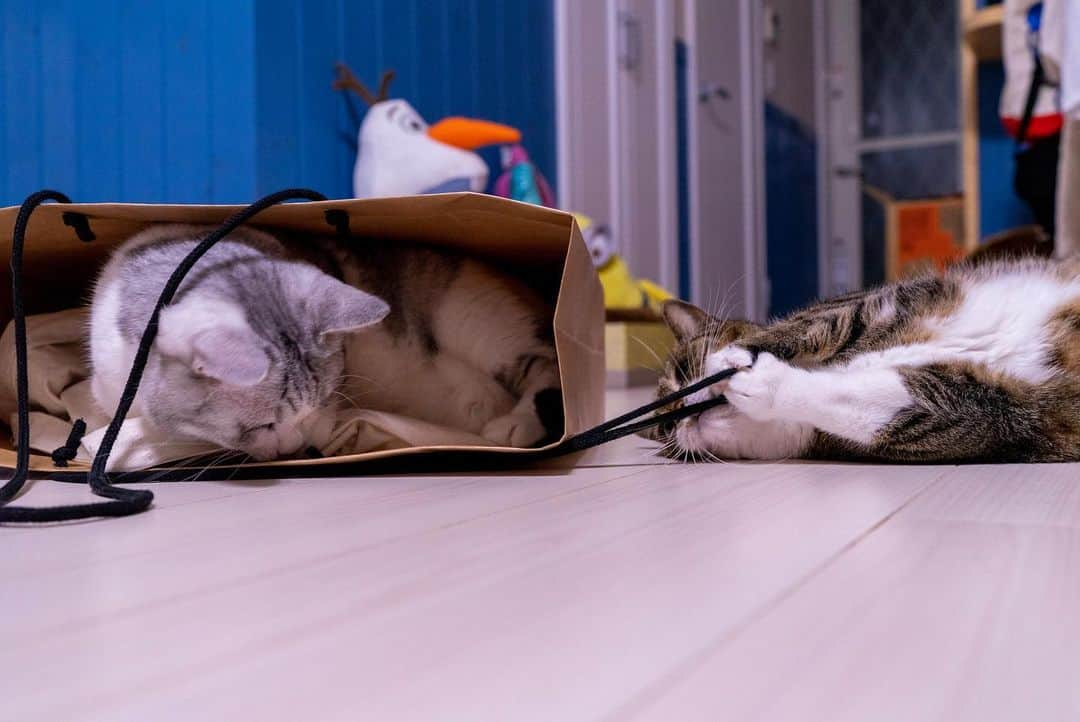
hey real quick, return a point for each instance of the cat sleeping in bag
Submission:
(267, 337)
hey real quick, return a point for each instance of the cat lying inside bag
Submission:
(421, 323)
(977, 364)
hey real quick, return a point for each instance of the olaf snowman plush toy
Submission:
(398, 154)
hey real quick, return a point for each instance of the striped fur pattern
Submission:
(976, 364)
(269, 336)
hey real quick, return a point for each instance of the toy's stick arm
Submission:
(384, 84)
(346, 80)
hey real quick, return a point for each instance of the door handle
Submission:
(713, 90)
(844, 171)
(629, 40)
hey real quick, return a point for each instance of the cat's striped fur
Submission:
(976, 364)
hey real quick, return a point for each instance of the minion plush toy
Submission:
(621, 289)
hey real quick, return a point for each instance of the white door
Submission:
(727, 157)
(617, 138)
(616, 125)
(840, 261)
(642, 84)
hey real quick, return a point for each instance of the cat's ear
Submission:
(343, 308)
(214, 339)
(684, 319)
(231, 355)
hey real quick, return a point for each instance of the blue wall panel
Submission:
(197, 100)
(185, 88)
(278, 101)
(142, 106)
(57, 60)
(21, 101)
(232, 90)
(127, 100)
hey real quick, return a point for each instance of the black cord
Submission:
(22, 454)
(625, 425)
(70, 449)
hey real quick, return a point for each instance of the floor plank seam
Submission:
(652, 694)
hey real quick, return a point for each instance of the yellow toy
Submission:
(621, 289)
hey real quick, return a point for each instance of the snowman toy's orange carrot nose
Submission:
(469, 133)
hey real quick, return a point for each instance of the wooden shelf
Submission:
(982, 31)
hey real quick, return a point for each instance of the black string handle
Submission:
(123, 502)
(22, 454)
(631, 423)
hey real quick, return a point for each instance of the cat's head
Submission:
(697, 334)
(256, 371)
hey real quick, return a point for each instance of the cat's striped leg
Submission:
(964, 412)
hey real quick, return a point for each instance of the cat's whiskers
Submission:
(652, 351)
(245, 458)
(347, 398)
(342, 377)
(211, 462)
(727, 295)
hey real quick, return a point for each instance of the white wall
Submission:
(789, 59)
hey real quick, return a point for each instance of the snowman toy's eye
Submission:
(410, 123)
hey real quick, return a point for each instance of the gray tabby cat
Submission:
(977, 364)
(266, 335)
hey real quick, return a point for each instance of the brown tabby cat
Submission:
(980, 363)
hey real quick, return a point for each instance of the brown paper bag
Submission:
(540, 244)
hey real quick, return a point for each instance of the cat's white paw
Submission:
(757, 391)
(518, 430)
(729, 357)
(478, 405)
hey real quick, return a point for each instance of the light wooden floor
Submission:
(625, 589)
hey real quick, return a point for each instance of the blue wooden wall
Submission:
(201, 101)
(138, 101)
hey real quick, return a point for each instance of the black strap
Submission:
(132, 501)
(22, 454)
(1038, 78)
(70, 449)
(631, 422)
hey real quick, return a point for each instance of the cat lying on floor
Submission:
(977, 364)
(266, 338)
